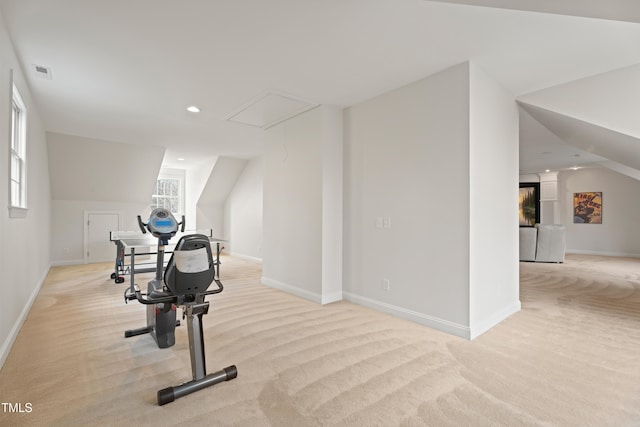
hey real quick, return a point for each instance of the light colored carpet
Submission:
(571, 357)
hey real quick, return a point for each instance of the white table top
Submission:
(136, 239)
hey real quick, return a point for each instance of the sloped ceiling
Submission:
(541, 149)
(221, 181)
(619, 10)
(597, 115)
(94, 170)
(126, 70)
(591, 138)
(610, 100)
(622, 169)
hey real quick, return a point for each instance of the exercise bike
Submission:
(189, 274)
(161, 317)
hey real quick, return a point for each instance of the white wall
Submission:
(220, 182)
(619, 233)
(67, 225)
(211, 217)
(425, 210)
(243, 213)
(494, 275)
(292, 241)
(24, 253)
(332, 204)
(96, 175)
(92, 169)
(302, 208)
(407, 159)
(196, 178)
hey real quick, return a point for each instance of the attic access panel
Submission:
(270, 108)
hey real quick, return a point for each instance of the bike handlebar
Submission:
(145, 299)
(142, 225)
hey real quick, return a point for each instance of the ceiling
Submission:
(125, 71)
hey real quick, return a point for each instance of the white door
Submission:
(98, 247)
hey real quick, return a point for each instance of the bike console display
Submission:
(162, 224)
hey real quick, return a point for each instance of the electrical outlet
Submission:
(386, 223)
(386, 285)
(379, 222)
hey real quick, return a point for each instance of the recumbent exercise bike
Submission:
(187, 277)
(161, 317)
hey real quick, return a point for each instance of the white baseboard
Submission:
(423, 319)
(247, 257)
(302, 293)
(334, 297)
(68, 262)
(15, 330)
(601, 253)
(493, 320)
(433, 322)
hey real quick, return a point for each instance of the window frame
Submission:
(18, 155)
(172, 174)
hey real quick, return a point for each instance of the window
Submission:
(18, 175)
(169, 191)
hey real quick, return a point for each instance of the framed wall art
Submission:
(587, 208)
(529, 204)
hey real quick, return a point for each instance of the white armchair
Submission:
(528, 239)
(543, 243)
(551, 243)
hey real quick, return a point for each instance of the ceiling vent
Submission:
(270, 108)
(43, 72)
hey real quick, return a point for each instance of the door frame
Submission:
(86, 229)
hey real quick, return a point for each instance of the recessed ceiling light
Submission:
(180, 158)
(193, 109)
(547, 170)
